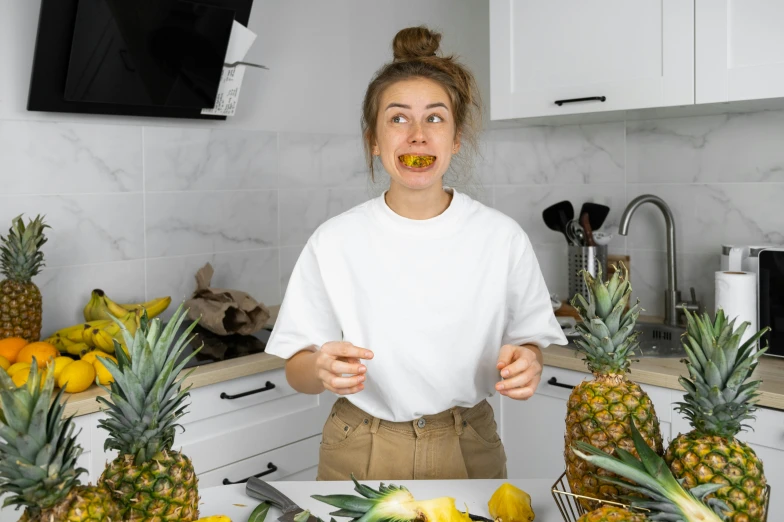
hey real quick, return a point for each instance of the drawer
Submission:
(218, 441)
(558, 382)
(236, 394)
(287, 461)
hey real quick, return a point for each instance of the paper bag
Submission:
(224, 312)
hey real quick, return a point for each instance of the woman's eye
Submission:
(398, 119)
(435, 118)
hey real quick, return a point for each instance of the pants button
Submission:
(421, 423)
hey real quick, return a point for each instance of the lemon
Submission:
(76, 377)
(60, 363)
(14, 368)
(20, 378)
(104, 377)
(4, 363)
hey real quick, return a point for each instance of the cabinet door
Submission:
(633, 54)
(739, 49)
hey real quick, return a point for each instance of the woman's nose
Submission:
(417, 134)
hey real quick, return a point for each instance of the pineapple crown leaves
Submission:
(384, 503)
(719, 395)
(608, 336)
(667, 499)
(38, 449)
(146, 399)
(20, 253)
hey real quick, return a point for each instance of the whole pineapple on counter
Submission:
(718, 401)
(38, 456)
(600, 411)
(662, 497)
(149, 479)
(21, 259)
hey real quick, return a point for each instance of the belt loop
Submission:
(374, 425)
(458, 421)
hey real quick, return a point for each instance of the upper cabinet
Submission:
(559, 57)
(739, 50)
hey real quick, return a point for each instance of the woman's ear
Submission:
(456, 146)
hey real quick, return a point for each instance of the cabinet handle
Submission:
(267, 387)
(271, 468)
(552, 381)
(574, 100)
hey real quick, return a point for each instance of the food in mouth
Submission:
(416, 161)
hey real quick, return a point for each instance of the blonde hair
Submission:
(415, 55)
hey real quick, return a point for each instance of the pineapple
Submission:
(392, 503)
(612, 514)
(21, 259)
(663, 497)
(718, 400)
(599, 411)
(38, 456)
(148, 478)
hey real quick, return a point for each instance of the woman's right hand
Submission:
(337, 358)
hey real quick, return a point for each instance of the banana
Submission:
(154, 307)
(101, 307)
(77, 349)
(103, 341)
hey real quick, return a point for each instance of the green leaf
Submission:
(259, 513)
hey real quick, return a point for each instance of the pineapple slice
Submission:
(510, 504)
(415, 161)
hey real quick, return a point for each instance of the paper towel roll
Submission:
(736, 293)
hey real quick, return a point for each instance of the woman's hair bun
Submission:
(415, 42)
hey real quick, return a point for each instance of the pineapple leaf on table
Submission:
(720, 397)
(21, 259)
(600, 411)
(38, 455)
(663, 496)
(146, 401)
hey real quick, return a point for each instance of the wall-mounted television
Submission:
(160, 58)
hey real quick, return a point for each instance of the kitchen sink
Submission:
(656, 341)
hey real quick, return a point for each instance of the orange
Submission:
(42, 352)
(9, 347)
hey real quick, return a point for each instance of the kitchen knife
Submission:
(258, 489)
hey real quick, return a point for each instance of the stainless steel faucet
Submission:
(672, 296)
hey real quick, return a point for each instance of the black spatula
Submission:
(596, 214)
(557, 216)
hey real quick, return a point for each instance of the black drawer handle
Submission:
(552, 381)
(575, 100)
(271, 468)
(267, 387)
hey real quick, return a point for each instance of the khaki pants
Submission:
(460, 443)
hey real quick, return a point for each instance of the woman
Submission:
(417, 305)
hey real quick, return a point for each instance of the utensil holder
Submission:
(588, 258)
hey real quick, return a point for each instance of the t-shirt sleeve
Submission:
(530, 316)
(306, 319)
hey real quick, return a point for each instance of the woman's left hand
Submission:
(521, 370)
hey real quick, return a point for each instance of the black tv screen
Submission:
(159, 58)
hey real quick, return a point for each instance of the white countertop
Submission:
(232, 501)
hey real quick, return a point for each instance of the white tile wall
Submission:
(137, 210)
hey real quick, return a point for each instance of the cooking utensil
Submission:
(557, 216)
(261, 490)
(602, 238)
(575, 233)
(596, 214)
(586, 222)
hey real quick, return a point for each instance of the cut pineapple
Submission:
(413, 160)
(510, 504)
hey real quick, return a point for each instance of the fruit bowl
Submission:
(571, 509)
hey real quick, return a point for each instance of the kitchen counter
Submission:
(232, 501)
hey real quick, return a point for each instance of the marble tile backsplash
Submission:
(138, 210)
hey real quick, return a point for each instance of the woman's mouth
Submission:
(416, 161)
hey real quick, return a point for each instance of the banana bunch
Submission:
(97, 334)
(101, 307)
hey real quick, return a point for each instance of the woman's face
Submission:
(415, 133)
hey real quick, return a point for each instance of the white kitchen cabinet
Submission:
(533, 430)
(739, 50)
(631, 55)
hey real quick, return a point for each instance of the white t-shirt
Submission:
(434, 300)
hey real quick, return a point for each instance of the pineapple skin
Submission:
(612, 514)
(598, 412)
(704, 459)
(83, 504)
(162, 489)
(20, 310)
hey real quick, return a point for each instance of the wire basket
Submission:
(571, 509)
(588, 258)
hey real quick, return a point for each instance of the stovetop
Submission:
(220, 347)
